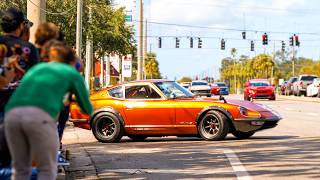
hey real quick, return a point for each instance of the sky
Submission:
(212, 20)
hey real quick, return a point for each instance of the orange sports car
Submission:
(149, 108)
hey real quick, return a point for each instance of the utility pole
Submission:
(36, 13)
(140, 39)
(89, 54)
(145, 48)
(293, 54)
(273, 59)
(79, 28)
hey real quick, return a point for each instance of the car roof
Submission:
(200, 81)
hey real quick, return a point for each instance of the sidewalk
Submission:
(299, 98)
(81, 165)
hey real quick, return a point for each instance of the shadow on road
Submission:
(172, 158)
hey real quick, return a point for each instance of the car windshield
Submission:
(257, 84)
(221, 84)
(172, 89)
(307, 78)
(199, 83)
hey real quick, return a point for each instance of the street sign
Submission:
(127, 65)
(128, 18)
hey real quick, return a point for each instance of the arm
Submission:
(82, 95)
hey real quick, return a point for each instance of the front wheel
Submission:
(242, 135)
(213, 126)
(106, 127)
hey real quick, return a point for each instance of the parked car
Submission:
(283, 87)
(215, 89)
(259, 89)
(185, 84)
(289, 85)
(300, 86)
(224, 90)
(201, 88)
(313, 89)
(164, 108)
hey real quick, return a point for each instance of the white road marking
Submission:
(313, 114)
(236, 164)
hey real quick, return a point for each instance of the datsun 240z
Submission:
(155, 108)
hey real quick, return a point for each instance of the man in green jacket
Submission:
(32, 111)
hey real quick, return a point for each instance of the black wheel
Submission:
(209, 95)
(213, 126)
(273, 98)
(106, 127)
(318, 94)
(137, 137)
(242, 135)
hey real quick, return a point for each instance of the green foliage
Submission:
(263, 66)
(106, 26)
(185, 79)
(151, 66)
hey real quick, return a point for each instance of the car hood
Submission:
(261, 88)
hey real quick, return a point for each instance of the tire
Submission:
(273, 98)
(209, 95)
(242, 135)
(137, 138)
(213, 126)
(318, 94)
(106, 127)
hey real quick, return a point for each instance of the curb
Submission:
(300, 98)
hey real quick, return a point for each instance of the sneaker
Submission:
(62, 161)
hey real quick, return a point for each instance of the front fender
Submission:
(216, 108)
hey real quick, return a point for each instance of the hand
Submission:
(7, 78)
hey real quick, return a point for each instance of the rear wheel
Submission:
(213, 126)
(242, 135)
(106, 127)
(137, 137)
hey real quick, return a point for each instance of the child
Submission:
(31, 113)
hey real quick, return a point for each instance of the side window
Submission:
(141, 92)
(116, 92)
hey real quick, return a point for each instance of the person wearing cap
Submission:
(20, 55)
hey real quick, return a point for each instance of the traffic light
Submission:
(252, 46)
(243, 35)
(223, 44)
(191, 42)
(296, 39)
(159, 42)
(265, 39)
(177, 42)
(199, 43)
(283, 46)
(291, 41)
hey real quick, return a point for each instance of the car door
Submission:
(147, 111)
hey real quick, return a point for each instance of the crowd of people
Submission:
(36, 86)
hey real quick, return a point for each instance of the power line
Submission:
(53, 13)
(229, 29)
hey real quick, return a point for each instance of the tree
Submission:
(185, 79)
(151, 66)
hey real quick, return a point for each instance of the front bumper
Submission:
(247, 125)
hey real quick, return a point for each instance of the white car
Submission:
(185, 84)
(313, 89)
(201, 88)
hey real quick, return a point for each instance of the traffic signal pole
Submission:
(79, 28)
(293, 56)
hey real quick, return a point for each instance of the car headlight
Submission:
(249, 113)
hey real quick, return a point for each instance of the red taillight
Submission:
(300, 83)
(291, 84)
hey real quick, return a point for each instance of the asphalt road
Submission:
(289, 151)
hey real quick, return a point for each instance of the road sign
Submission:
(128, 18)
